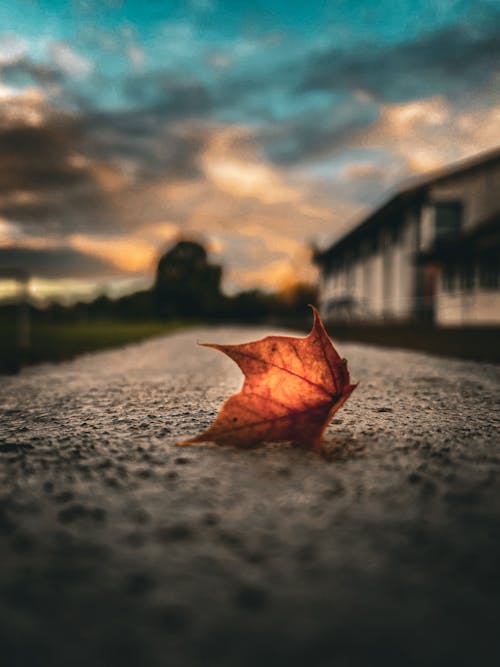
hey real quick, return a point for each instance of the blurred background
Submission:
(164, 163)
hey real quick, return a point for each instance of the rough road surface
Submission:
(119, 548)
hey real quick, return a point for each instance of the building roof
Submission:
(409, 193)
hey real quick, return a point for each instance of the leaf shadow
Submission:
(341, 448)
(336, 448)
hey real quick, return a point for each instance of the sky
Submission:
(258, 128)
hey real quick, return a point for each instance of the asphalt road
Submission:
(119, 548)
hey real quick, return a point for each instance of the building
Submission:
(431, 252)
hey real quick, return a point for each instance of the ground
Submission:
(119, 548)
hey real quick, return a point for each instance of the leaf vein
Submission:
(286, 370)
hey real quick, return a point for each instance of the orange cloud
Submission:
(27, 106)
(231, 163)
(280, 274)
(430, 133)
(163, 231)
(249, 213)
(129, 254)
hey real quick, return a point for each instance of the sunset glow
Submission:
(124, 128)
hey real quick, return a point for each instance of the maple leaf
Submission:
(292, 389)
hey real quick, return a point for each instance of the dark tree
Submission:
(187, 285)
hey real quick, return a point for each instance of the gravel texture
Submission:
(119, 548)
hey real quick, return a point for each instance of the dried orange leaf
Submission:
(292, 388)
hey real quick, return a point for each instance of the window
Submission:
(467, 276)
(489, 273)
(397, 232)
(349, 277)
(447, 219)
(374, 242)
(448, 279)
(367, 278)
(384, 239)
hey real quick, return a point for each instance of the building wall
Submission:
(406, 277)
(358, 282)
(480, 194)
(426, 228)
(479, 191)
(376, 305)
(378, 284)
(473, 308)
(384, 284)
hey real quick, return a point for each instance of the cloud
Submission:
(46, 184)
(308, 100)
(280, 274)
(7, 230)
(53, 262)
(63, 173)
(111, 190)
(317, 134)
(365, 181)
(12, 48)
(202, 5)
(38, 156)
(341, 92)
(430, 133)
(453, 60)
(158, 232)
(136, 56)
(146, 143)
(26, 107)
(69, 61)
(22, 73)
(128, 254)
(230, 161)
(256, 146)
(168, 94)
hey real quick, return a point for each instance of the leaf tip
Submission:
(184, 443)
(317, 322)
(213, 346)
(314, 309)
